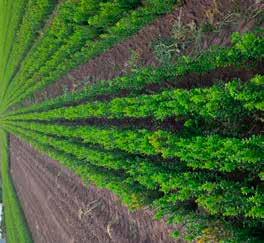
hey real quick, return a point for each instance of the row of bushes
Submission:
(168, 184)
(34, 17)
(246, 48)
(77, 35)
(91, 168)
(224, 104)
(211, 152)
(10, 19)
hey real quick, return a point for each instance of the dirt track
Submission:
(60, 209)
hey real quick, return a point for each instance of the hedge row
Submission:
(223, 103)
(248, 47)
(10, 20)
(211, 152)
(90, 168)
(36, 13)
(213, 192)
(77, 35)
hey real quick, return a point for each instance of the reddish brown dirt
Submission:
(60, 209)
(115, 62)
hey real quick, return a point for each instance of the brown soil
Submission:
(60, 208)
(116, 61)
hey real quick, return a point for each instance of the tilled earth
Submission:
(61, 209)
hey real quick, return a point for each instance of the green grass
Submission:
(16, 225)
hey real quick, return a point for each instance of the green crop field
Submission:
(182, 137)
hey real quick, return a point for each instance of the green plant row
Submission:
(86, 40)
(35, 15)
(96, 156)
(211, 152)
(10, 19)
(214, 194)
(245, 48)
(89, 167)
(203, 186)
(200, 227)
(114, 160)
(65, 24)
(61, 28)
(16, 225)
(4, 19)
(252, 95)
(224, 103)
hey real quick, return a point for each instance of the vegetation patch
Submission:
(206, 176)
(16, 225)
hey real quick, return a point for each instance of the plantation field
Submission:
(132, 121)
